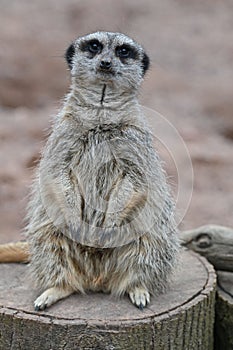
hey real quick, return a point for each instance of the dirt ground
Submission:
(190, 83)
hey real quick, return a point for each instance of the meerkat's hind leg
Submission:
(51, 296)
(139, 296)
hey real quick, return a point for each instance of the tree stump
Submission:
(216, 244)
(180, 319)
(224, 312)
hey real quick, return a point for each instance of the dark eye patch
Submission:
(145, 63)
(69, 55)
(126, 51)
(93, 46)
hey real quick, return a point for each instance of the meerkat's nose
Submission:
(105, 65)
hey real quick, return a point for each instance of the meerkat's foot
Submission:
(140, 297)
(51, 296)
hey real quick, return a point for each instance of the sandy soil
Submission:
(190, 83)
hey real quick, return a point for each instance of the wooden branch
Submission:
(212, 241)
(180, 319)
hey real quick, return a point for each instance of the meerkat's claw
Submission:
(40, 308)
(140, 297)
(49, 297)
(141, 307)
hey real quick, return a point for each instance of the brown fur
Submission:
(14, 252)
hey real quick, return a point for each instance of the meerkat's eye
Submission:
(94, 46)
(125, 51)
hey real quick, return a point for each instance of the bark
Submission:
(180, 319)
(216, 244)
(224, 312)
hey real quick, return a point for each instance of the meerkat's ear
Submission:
(145, 63)
(69, 55)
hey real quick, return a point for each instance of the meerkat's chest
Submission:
(106, 157)
(99, 156)
(109, 151)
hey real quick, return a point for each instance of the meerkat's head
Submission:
(107, 58)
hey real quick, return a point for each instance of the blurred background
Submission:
(190, 82)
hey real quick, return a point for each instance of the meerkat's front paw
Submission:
(140, 297)
(50, 296)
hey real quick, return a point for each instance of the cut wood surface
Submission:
(180, 319)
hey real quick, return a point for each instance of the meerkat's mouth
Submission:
(106, 73)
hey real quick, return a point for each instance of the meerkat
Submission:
(101, 215)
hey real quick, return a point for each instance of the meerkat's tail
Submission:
(14, 252)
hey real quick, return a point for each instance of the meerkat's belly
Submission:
(108, 185)
(100, 176)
